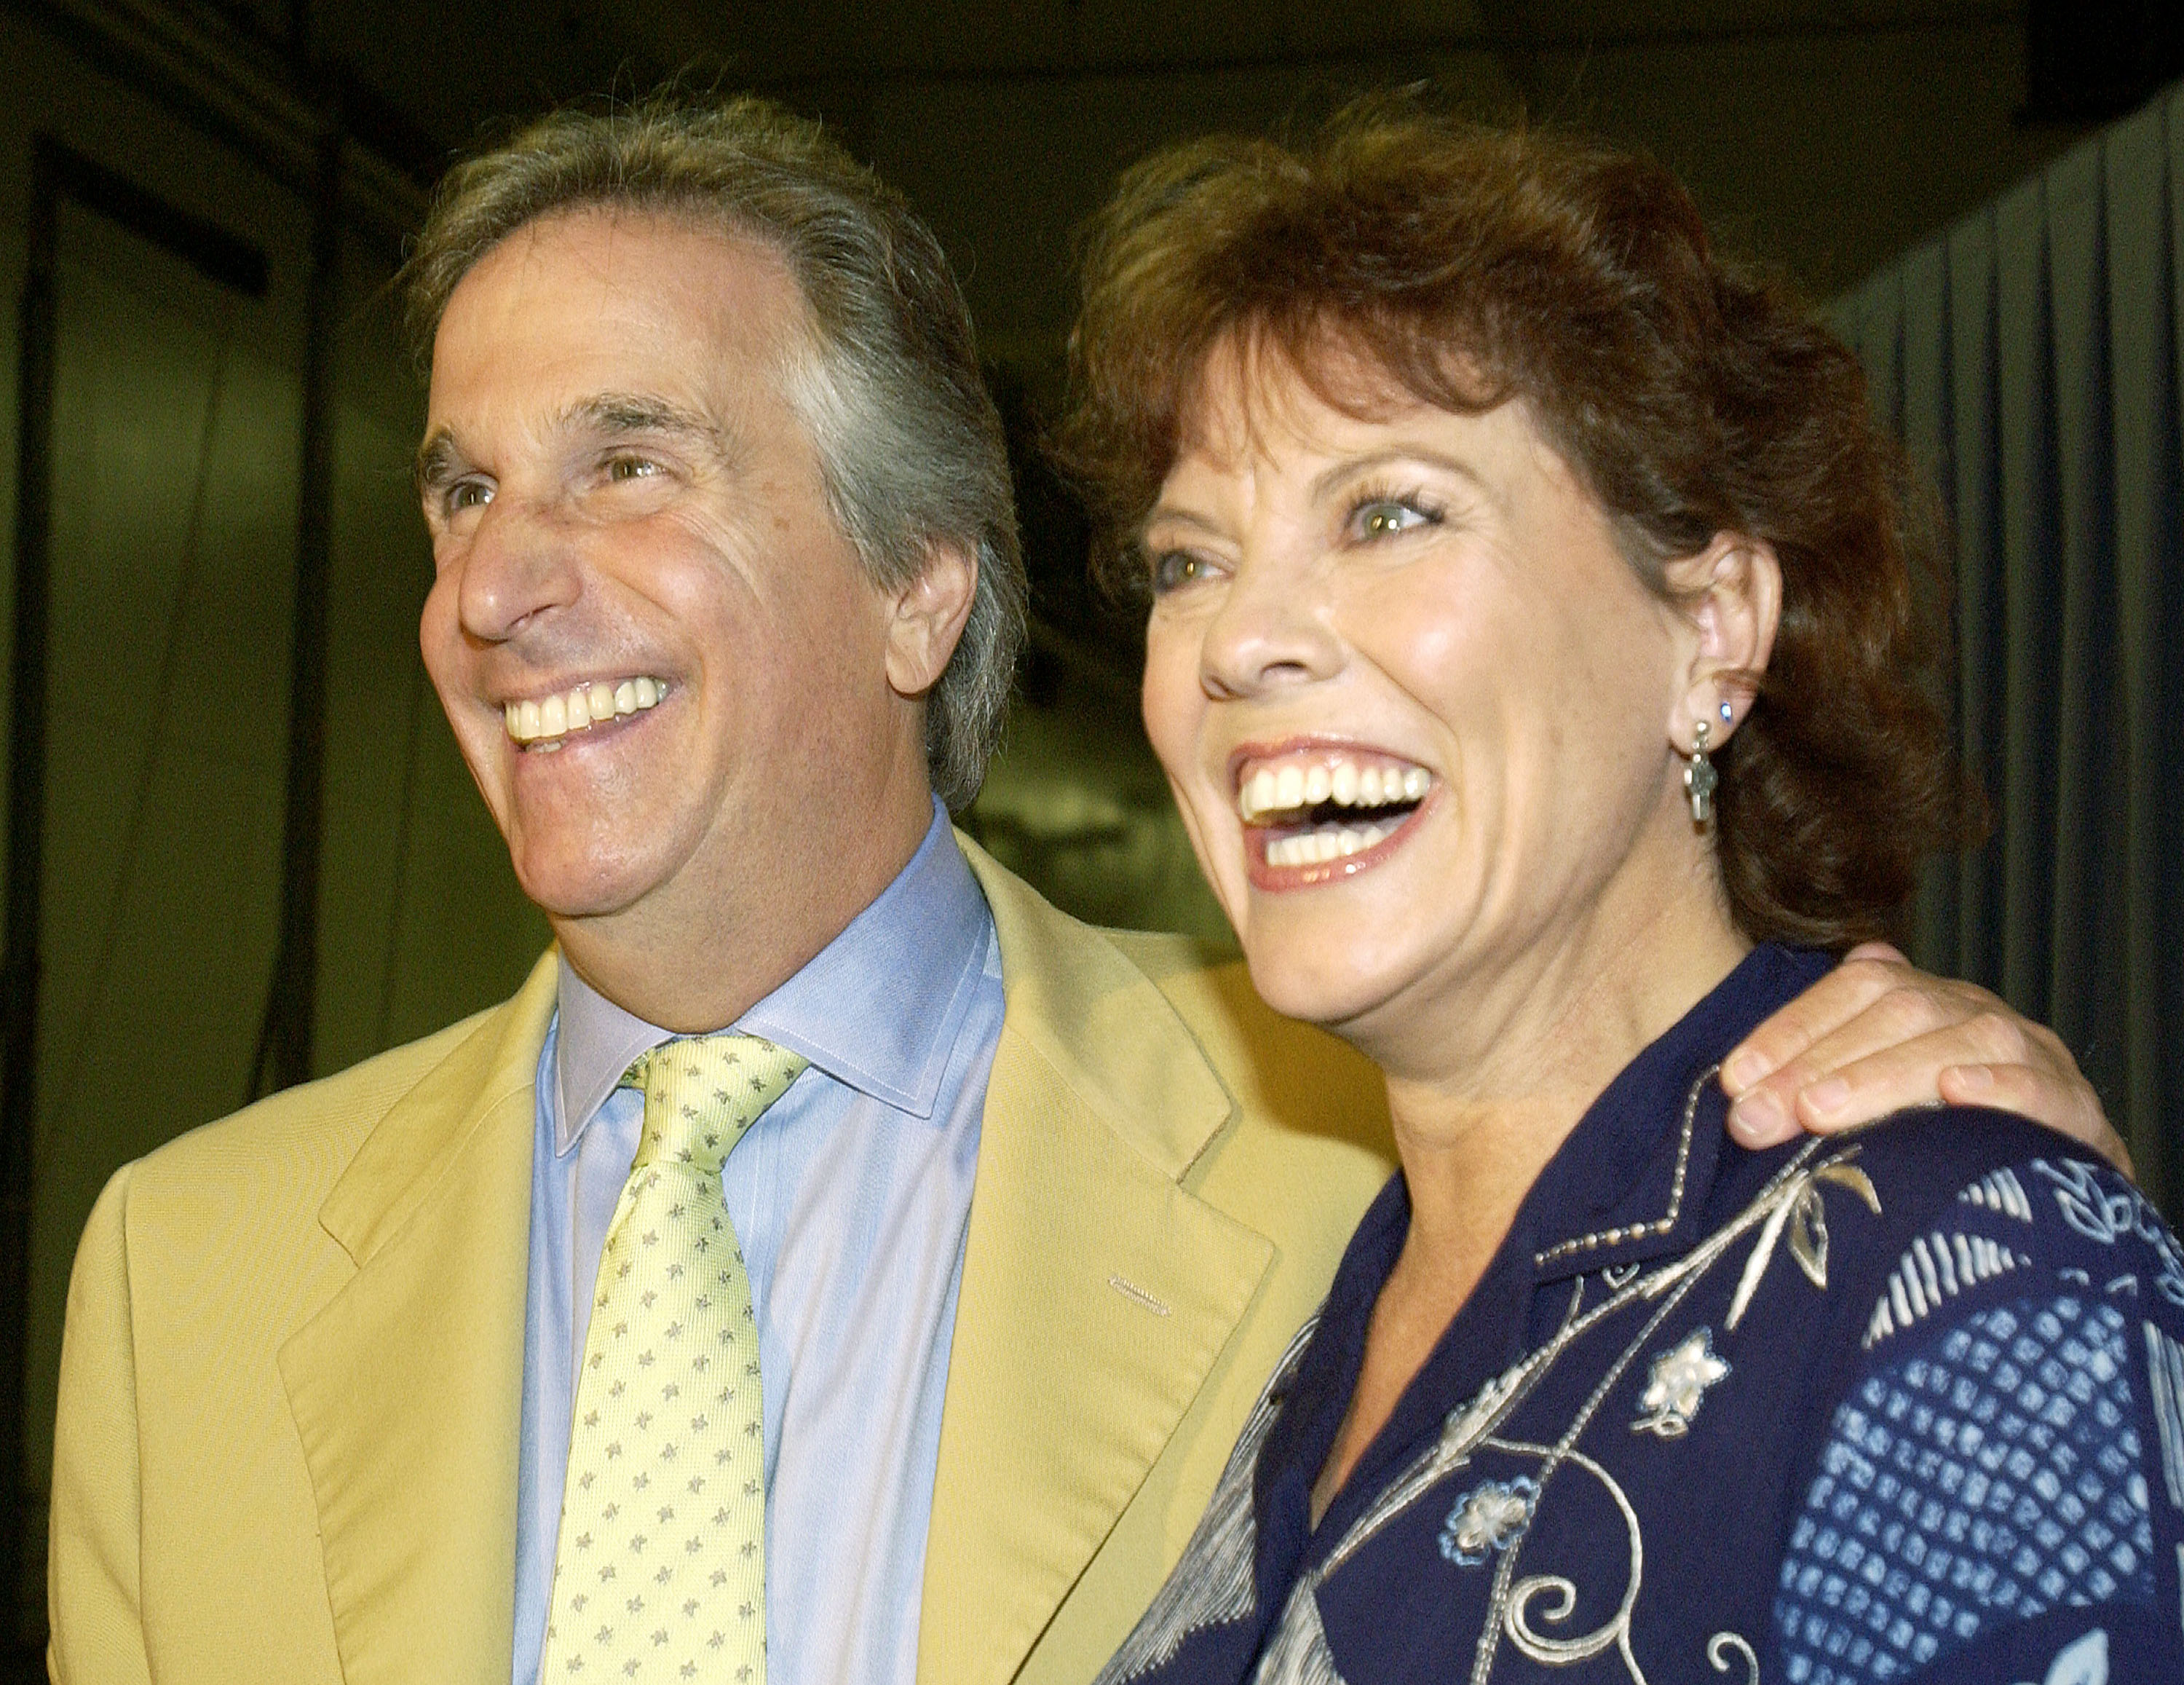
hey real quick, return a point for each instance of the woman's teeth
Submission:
(1298, 796)
(1323, 843)
(581, 707)
(1296, 787)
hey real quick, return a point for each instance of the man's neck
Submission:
(699, 962)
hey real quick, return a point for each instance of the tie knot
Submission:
(701, 1092)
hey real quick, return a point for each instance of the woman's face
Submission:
(1416, 708)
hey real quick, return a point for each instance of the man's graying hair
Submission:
(909, 443)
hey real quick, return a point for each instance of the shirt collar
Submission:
(877, 1008)
(1631, 1182)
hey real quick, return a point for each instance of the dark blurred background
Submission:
(241, 849)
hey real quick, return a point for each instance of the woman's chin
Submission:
(1304, 981)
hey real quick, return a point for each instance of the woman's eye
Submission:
(631, 468)
(468, 494)
(1386, 517)
(1172, 570)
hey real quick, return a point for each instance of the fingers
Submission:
(2064, 1104)
(1802, 1066)
(1892, 1056)
(1886, 1075)
(1875, 1036)
(1867, 972)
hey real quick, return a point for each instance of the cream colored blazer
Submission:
(292, 1377)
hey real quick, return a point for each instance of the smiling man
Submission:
(833, 1265)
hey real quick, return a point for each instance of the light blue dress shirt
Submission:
(851, 1197)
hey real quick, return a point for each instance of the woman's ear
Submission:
(928, 618)
(1731, 594)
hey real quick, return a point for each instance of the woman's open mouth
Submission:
(1314, 815)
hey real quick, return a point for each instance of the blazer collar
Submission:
(1097, 1293)
(406, 1388)
(1101, 1024)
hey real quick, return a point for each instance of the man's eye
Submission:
(1172, 570)
(632, 468)
(468, 494)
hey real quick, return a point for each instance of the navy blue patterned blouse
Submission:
(1907, 1404)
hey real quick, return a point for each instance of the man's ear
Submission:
(927, 618)
(1731, 594)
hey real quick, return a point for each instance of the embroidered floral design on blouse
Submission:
(1677, 1385)
(1797, 1205)
(1489, 1518)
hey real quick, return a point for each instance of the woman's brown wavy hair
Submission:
(1469, 266)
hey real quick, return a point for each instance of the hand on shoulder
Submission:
(1876, 1035)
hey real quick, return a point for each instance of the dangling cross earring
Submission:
(1700, 777)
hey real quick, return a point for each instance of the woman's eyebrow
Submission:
(1328, 479)
(1166, 515)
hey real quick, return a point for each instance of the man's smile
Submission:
(541, 722)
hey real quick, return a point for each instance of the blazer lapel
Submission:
(1097, 1293)
(407, 1386)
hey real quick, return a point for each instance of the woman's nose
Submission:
(1271, 631)
(517, 567)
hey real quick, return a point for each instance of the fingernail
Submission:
(1745, 1069)
(1976, 1079)
(1828, 1097)
(1758, 1118)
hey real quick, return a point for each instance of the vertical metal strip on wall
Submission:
(20, 972)
(284, 1042)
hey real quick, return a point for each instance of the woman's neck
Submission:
(1484, 1089)
(1486, 1082)
(1486, 1098)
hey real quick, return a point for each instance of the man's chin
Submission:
(579, 891)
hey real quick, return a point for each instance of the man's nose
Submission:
(519, 565)
(1273, 630)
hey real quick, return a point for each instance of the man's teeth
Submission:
(1323, 843)
(581, 707)
(1288, 788)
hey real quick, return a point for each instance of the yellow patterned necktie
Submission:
(660, 1571)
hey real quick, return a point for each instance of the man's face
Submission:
(629, 528)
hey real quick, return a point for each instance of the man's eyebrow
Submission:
(615, 413)
(609, 414)
(436, 463)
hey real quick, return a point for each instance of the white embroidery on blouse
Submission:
(1489, 1519)
(1935, 1268)
(2165, 1372)
(1999, 1191)
(2105, 1208)
(1677, 1385)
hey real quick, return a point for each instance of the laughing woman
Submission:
(1531, 652)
